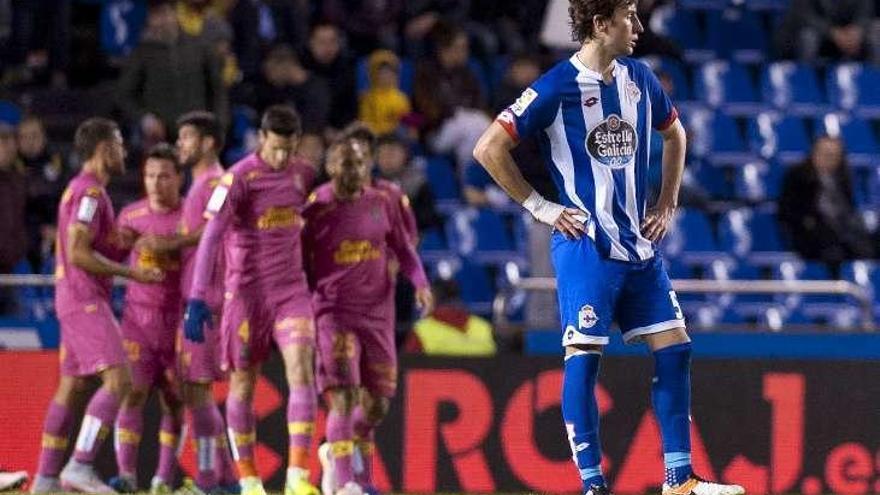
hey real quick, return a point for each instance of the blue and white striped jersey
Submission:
(596, 139)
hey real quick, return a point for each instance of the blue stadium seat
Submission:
(792, 88)
(853, 87)
(839, 315)
(861, 144)
(476, 286)
(703, 4)
(483, 77)
(864, 273)
(775, 6)
(727, 85)
(736, 34)
(745, 231)
(716, 137)
(775, 135)
(758, 181)
(681, 88)
(772, 316)
(481, 235)
(444, 184)
(692, 232)
(433, 245)
(9, 113)
(709, 178)
(682, 26)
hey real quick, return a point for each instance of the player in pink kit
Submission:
(149, 323)
(352, 230)
(91, 343)
(256, 211)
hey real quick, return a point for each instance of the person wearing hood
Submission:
(383, 105)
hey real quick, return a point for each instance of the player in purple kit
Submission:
(351, 231)
(256, 212)
(364, 424)
(91, 343)
(149, 323)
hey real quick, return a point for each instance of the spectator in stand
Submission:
(393, 164)
(450, 329)
(835, 30)
(326, 58)
(817, 210)
(47, 174)
(40, 42)
(445, 83)
(204, 21)
(13, 202)
(312, 148)
(369, 24)
(169, 74)
(258, 25)
(286, 81)
(523, 70)
(383, 104)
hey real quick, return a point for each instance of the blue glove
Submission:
(196, 317)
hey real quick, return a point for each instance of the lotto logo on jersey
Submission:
(613, 142)
(522, 103)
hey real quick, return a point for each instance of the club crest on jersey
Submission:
(633, 91)
(613, 142)
(587, 317)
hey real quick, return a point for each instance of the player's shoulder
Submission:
(638, 69)
(86, 185)
(387, 186)
(563, 72)
(321, 195)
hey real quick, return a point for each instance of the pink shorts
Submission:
(251, 323)
(199, 362)
(356, 351)
(148, 335)
(90, 340)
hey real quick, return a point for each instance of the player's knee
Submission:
(573, 349)
(70, 390)
(136, 398)
(241, 385)
(299, 364)
(661, 340)
(378, 410)
(117, 381)
(342, 400)
(197, 394)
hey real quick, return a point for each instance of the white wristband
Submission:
(545, 211)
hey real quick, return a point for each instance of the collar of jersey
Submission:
(588, 72)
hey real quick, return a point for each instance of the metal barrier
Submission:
(38, 280)
(830, 287)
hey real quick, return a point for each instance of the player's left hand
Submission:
(195, 318)
(657, 221)
(425, 301)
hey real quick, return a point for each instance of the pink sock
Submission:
(100, 414)
(169, 443)
(56, 435)
(340, 434)
(205, 434)
(242, 423)
(129, 427)
(302, 406)
(364, 433)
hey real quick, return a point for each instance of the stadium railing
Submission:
(694, 286)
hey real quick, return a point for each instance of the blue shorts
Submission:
(594, 291)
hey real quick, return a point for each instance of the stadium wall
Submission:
(494, 425)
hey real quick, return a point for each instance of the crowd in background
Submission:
(410, 70)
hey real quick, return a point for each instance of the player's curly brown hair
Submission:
(582, 12)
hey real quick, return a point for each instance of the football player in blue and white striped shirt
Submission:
(593, 114)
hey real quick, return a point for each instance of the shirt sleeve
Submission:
(90, 211)
(663, 112)
(220, 211)
(404, 249)
(534, 110)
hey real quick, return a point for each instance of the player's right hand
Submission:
(149, 275)
(195, 318)
(571, 223)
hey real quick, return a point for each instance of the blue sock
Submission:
(581, 415)
(671, 396)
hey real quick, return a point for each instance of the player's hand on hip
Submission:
(657, 222)
(425, 301)
(149, 275)
(195, 318)
(569, 221)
